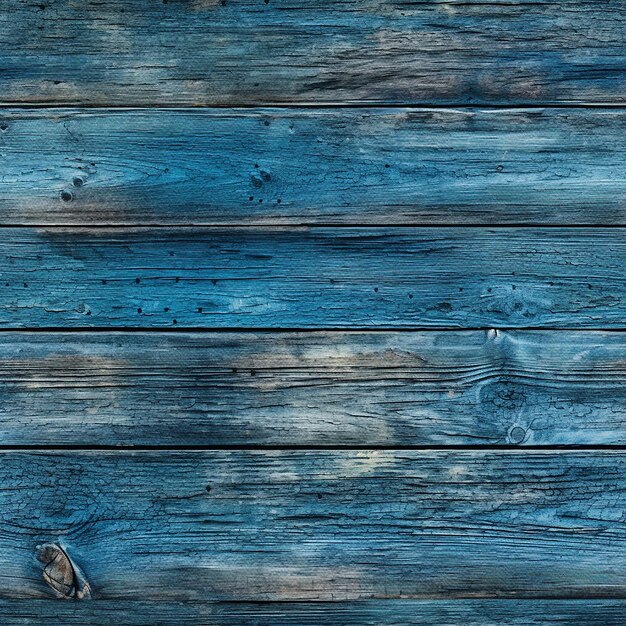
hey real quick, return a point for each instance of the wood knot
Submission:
(62, 574)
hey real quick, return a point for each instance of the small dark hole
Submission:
(66, 196)
(78, 182)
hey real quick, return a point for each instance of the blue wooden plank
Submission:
(312, 526)
(458, 612)
(272, 166)
(313, 389)
(201, 52)
(316, 277)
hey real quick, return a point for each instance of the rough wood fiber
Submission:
(302, 537)
(317, 277)
(319, 525)
(366, 166)
(319, 388)
(228, 52)
(458, 612)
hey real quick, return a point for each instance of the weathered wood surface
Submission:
(458, 612)
(316, 389)
(312, 277)
(315, 526)
(272, 166)
(228, 52)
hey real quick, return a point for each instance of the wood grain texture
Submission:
(312, 277)
(344, 166)
(460, 612)
(315, 526)
(315, 389)
(228, 52)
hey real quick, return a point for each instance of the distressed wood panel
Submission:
(317, 277)
(203, 52)
(312, 526)
(318, 388)
(460, 612)
(272, 166)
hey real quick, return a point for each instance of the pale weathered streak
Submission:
(228, 52)
(313, 278)
(319, 525)
(359, 166)
(318, 388)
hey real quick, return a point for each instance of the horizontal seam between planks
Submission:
(313, 448)
(442, 600)
(379, 104)
(286, 226)
(460, 598)
(300, 329)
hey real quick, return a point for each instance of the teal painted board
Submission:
(312, 277)
(229, 52)
(522, 388)
(313, 166)
(312, 526)
(458, 612)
